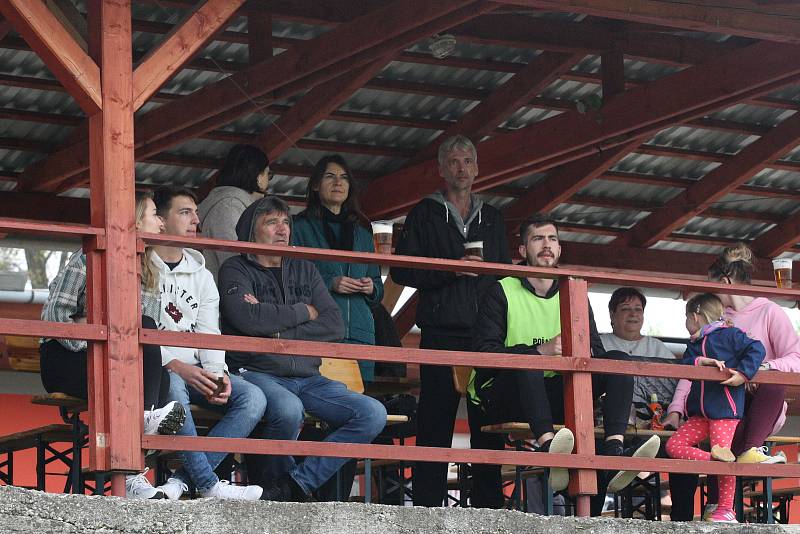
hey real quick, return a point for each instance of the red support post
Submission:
(578, 401)
(116, 398)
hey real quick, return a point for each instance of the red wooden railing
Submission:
(576, 364)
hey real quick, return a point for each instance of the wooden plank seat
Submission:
(70, 409)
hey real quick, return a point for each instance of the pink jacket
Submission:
(765, 321)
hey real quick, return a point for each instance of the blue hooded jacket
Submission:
(719, 341)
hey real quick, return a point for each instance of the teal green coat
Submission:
(358, 322)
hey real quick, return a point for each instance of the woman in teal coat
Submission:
(333, 220)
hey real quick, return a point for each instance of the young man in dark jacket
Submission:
(271, 296)
(439, 227)
(522, 316)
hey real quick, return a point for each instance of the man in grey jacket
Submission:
(271, 296)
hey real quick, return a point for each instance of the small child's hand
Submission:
(711, 362)
(736, 379)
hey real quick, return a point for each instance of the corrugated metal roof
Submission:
(452, 92)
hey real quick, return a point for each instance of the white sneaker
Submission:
(138, 487)
(166, 420)
(174, 488)
(225, 490)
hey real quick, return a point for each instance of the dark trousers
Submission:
(528, 396)
(761, 410)
(66, 371)
(436, 416)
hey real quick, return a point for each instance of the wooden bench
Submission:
(41, 439)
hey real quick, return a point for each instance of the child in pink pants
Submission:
(715, 408)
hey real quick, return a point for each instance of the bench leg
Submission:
(40, 464)
(8, 476)
(368, 480)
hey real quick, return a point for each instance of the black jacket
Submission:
(491, 327)
(449, 303)
(276, 315)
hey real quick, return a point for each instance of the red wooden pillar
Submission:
(116, 397)
(578, 401)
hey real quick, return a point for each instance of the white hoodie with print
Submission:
(189, 303)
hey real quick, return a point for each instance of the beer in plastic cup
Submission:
(382, 236)
(218, 370)
(474, 248)
(783, 272)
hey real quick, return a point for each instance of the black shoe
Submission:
(284, 489)
(613, 447)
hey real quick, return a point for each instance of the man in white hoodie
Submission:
(190, 303)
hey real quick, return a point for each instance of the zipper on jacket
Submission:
(730, 400)
(702, 401)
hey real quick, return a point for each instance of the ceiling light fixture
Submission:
(442, 46)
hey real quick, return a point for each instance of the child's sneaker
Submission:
(758, 455)
(166, 420)
(138, 487)
(722, 454)
(722, 516)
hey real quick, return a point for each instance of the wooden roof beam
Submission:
(58, 50)
(356, 43)
(683, 96)
(782, 237)
(562, 183)
(314, 107)
(481, 120)
(716, 184)
(183, 42)
(771, 21)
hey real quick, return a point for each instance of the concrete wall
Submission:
(31, 511)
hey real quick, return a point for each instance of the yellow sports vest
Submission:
(530, 320)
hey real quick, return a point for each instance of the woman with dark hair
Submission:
(765, 406)
(244, 177)
(333, 220)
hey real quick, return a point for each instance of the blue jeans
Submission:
(242, 413)
(355, 418)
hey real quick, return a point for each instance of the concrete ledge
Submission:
(32, 511)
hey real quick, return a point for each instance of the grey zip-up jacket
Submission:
(285, 316)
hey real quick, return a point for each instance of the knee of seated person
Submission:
(250, 398)
(373, 414)
(286, 411)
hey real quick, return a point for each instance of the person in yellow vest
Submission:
(522, 316)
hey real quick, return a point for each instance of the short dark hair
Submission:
(243, 165)
(313, 203)
(273, 204)
(536, 220)
(622, 294)
(162, 197)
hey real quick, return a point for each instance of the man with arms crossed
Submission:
(273, 296)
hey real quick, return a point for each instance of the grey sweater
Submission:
(278, 313)
(219, 213)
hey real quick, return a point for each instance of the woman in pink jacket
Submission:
(765, 407)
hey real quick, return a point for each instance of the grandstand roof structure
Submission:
(655, 132)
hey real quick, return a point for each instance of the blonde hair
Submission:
(735, 263)
(149, 274)
(706, 305)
